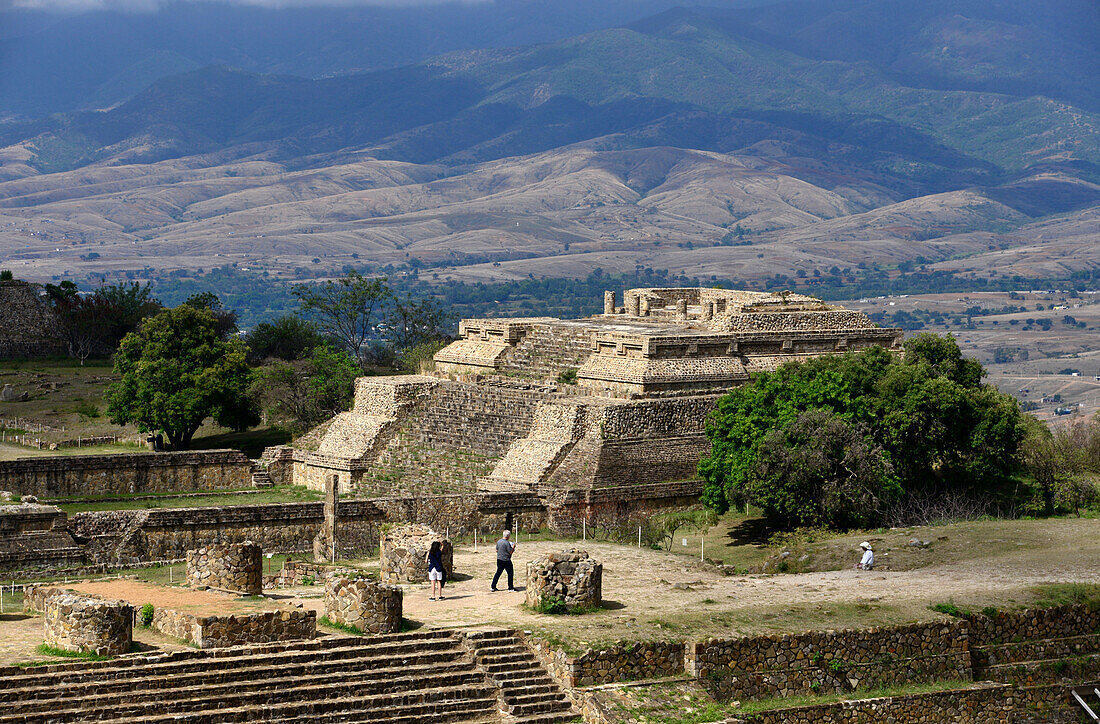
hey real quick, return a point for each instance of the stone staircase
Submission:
(528, 694)
(260, 478)
(395, 679)
(547, 350)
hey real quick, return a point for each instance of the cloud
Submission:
(69, 6)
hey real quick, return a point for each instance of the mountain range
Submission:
(726, 142)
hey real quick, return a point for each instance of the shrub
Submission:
(568, 376)
(949, 609)
(146, 615)
(308, 580)
(553, 605)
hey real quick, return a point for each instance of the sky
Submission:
(152, 5)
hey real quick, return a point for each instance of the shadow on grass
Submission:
(751, 531)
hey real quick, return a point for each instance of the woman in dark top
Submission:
(435, 570)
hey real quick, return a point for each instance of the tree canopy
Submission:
(832, 440)
(176, 371)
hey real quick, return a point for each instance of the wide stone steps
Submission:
(243, 682)
(527, 691)
(434, 648)
(1035, 650)
(396, 679)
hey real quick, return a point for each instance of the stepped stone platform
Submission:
(599, 418)
(395, 679)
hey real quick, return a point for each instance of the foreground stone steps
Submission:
(225, 660)
(1015, 652)
(527, 691)
(174, 692)
(397, 679)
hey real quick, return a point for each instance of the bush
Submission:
(553, 605)
(146, 615)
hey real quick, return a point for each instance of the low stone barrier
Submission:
(1033, 624)
(626, 662)
(571, 576)
(208, 632)
(236, 567)
(35, 597)
(754, 667)
(303, 573)
(402, 552)
(89, 625)
(370, 607)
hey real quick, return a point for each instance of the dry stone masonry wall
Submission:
(370, 607)
(208, 632)
(236, 567)
(571, 576)
(88, 625)
(403, 550)
(163, 472)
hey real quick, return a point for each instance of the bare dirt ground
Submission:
(175, 597)
(655, 594)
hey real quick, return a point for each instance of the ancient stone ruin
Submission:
(602, 416)
(571, 576)
(402, 550)
(236, 567)
(89, 625)
(368, 606)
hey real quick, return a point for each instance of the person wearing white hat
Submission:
(868, 560)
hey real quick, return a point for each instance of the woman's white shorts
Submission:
(434, 575)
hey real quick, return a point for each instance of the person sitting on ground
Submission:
(505, 548)
(868, 561)
(434, 559)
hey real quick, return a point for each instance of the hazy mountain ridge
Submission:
(697, 140)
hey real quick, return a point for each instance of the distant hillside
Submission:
(807, 135)
(94, 59)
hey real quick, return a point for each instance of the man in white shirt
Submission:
(868, 561)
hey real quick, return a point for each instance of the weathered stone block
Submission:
(368, 606)
(569, 575)
(89, 625)
(402, 552)
(236, 567)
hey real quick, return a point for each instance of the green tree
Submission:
(288, 338)
(347, 309)
(304, 393)
(176, 371)
(820, 471)
(938, 427)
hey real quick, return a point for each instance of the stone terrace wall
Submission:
(84, 475)
(207, 632)
(1033, 624)
(980, 705)
(85, 624)
(625, 662)
(790, 664)
(36, 537)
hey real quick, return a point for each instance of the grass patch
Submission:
(63, 653)
(555, 606)
(1064, 594)
(949, 609)
(348, 629)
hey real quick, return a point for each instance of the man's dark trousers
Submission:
(501, 567)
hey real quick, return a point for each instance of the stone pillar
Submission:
(402, 551)
(368, 606)
(643, 307)
(89, 625)
(609, 302)
(708, 311)
(324, 545)
(682, 309)
(236, 567)
(633, 305)
(571, 575)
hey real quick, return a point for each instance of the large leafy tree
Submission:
(176, 371)
(926, 414)
(347, 309)
(304, 393)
